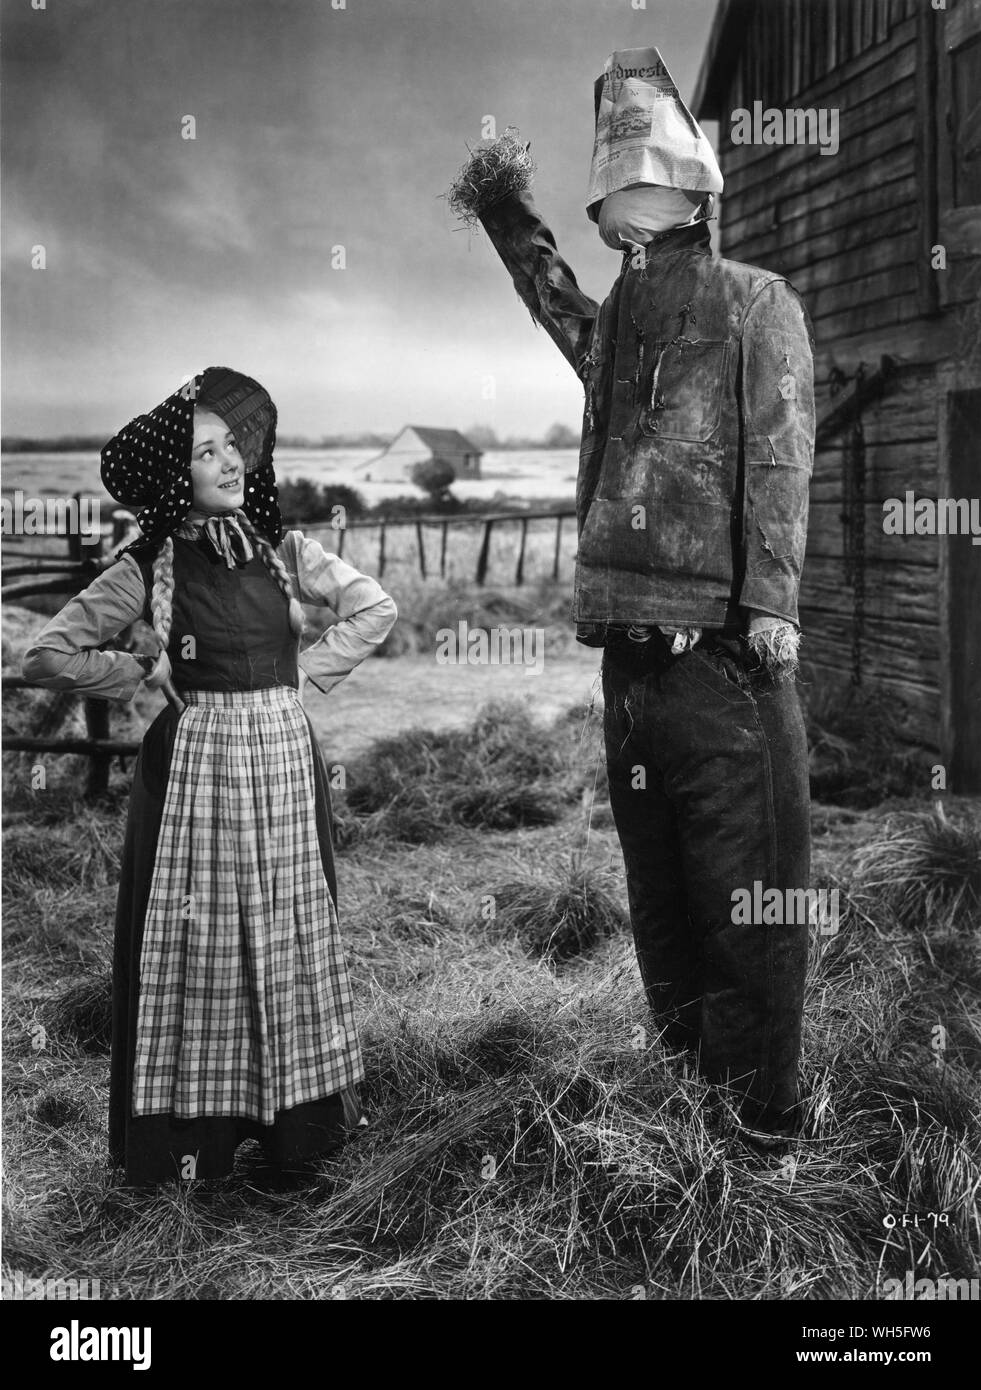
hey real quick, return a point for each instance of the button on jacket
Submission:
(698, 427)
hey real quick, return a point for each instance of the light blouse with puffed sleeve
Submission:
(65, 654)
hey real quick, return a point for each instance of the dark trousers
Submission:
(707, 767)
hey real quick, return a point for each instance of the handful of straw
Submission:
(491, 173)
(777, 647)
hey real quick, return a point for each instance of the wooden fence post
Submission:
(97, 726)
(519, 576)
(422, 549)
(442, 550)
(484, 552)
(558, 543)
(381, 550)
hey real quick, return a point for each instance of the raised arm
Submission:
(542, 278)
(493, 188)
(65, 655)
(366, 613)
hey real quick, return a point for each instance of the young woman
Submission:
(232, 1011)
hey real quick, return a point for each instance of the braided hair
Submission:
(162, 592)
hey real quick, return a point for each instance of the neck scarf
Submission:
(229, 540)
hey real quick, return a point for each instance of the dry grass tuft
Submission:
(491, 173)
(82, 1014)
(922, 868)
(507, 770)
(555, 919)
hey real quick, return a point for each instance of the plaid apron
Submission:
(245, 1004)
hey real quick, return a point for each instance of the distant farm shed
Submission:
(421, 444)
(882, 237)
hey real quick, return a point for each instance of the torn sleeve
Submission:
(543, 280)
(777, 401)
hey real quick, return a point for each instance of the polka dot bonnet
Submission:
(147, 465)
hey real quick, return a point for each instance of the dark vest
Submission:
(230, 627)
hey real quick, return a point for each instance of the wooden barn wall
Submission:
(844, 229)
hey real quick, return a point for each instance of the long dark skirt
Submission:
(153, 1148)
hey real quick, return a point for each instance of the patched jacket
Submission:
(698, 428)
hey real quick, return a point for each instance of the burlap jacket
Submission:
(698, 427)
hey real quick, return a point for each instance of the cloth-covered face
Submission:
(636, 214)
(217, 466)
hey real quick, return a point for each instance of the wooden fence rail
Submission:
(50, 575)
(487, 521)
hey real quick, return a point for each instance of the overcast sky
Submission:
(315, 127)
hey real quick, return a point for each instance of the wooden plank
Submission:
(851, 218)
(961, 599)
(877, 155)
(891, 109)
(890, 471)
(913, 706)
(960, 232)
(883, 287)
(97, 728)
(80, 747)
(825, 534)
(832, 321)
(893, 64)
(893, 645)
(844, 345)
(739, 220)
(484, 552)
(796, 66)
(837, 260)
(520, 571)
(928, 289)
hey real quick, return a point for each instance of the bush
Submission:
(303, 500)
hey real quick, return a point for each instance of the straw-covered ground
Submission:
(528, 1135)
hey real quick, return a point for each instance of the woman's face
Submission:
(217, 467)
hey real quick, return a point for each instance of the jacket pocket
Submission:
(684, 400)
(660, 536)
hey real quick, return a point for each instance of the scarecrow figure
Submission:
(692, 503)
(232, 1009)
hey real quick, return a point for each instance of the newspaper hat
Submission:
(147, 465)
(645, 132)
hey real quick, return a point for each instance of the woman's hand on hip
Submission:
(160, 671)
